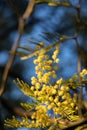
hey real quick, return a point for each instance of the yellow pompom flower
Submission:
(50, 98)
(59, 81)
(57, 60)
(60, 92)
(37, 85)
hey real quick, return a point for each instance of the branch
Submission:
(53, 3)
(78, 8)
(15, 9)
(18, 111)
(22, 20)
(12, 73)
(76, 124)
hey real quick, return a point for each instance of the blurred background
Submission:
(43, 25)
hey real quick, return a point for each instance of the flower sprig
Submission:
(59, 96)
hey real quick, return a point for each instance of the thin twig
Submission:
(15, 9)
(22, 20)
(80, 87)
(79, 57)
(76, 124)
(16, 110)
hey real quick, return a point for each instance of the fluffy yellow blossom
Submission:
(54, 91)
(72, 104)
(33, 80)
(56, 100)
(49, 107)
(57, 60)
(84, 72)
(50, 98)
(60, 92)
(32, 88)
(35, 61)
(58, 104)
(59, 81)
(37, 85)
(47, 67)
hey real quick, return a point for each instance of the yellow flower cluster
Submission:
(41, 117)
(57, 96)
(44, 69)
(83, 73)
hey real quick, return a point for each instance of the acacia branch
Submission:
(15, 110)
(22, 20)
(78, 8)
(15, 9)
(76, 124)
